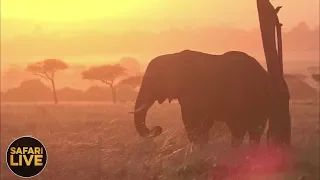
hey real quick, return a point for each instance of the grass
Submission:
(98, 141)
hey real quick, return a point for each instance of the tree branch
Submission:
(41, 75)
(112, 81)
(106, 82)
(45, 73)
(278, 9)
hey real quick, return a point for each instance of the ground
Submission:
(98, 141)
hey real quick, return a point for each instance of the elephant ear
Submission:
(172, 83)
(166, 89)
(165, 86)
(167, 79)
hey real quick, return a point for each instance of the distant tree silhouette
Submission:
(132, 81)
(107, 74)
(32, 90)
(131, 64)
(13, 75)
(70, 94)
(299, 88)
(97, 93)
(126, 93)
(316, 77)
(47, 70)
(314, 69)
(315, 72)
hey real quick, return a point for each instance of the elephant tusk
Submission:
(139, 109)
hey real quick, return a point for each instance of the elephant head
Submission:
(159, 83)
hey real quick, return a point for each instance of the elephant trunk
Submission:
(140, 113)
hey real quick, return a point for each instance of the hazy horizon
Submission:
(95, 32)
(102, 32)
(91, 47)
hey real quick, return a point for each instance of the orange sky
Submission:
(83, 32)
(165, 12)
(34, 29)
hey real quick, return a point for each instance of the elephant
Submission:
(232, 87)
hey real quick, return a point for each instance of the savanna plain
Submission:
(98, 141)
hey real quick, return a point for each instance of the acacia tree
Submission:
(132, 81)
(131, 64)
(107, 74)
(316, 77)
(47, 69)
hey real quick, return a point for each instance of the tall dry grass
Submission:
(98, 141)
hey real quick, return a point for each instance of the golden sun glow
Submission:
(177, 12)
(91, 31)
(72, 10)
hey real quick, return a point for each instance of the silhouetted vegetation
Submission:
(120, 86)
(316, 77)
(47, 70)
(70, 94)
(30, 90)
(313, 69)
(35, 91)
(300, 38)
(131, 64)
(299, 89)
(315, 72)
(107, 74)
(132, 81)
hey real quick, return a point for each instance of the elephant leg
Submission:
(256, 130)
(197, 123)
(238, 132)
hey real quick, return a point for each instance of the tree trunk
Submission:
(114, 94)
(279, 131)
(54, 92)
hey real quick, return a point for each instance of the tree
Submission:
(107, 74)
(279, 121)
(316, 77)
(131, 64)
(132, 81)
(29, 91)
(47, 70)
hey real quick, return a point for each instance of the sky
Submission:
(165, 12)
(82, 32)
(60, 27)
